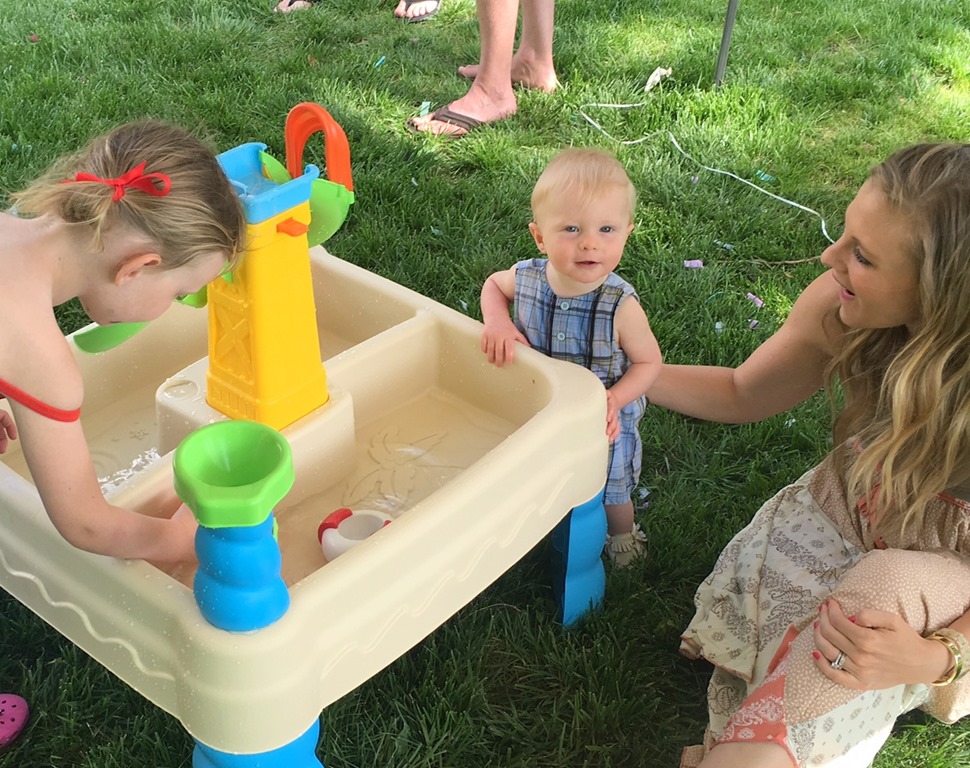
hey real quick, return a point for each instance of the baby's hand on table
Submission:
(498, 343)
(180, 561)
(8, 430)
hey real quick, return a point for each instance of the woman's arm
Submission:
(784, 371)
(637, 341)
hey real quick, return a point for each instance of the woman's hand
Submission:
(880, 649)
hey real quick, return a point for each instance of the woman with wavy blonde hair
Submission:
(846, 601)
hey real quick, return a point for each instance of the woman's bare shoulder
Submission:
(814, 317)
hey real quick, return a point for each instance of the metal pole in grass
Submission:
(732, 12)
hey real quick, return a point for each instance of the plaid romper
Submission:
(579, 330)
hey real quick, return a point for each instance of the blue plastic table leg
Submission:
(579, 579)
(297, 754)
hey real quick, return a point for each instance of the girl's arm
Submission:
(636, 339)
(61, 467)
(784, 371)
(500, 334)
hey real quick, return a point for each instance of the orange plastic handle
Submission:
(302, 122)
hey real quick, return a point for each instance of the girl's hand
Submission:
(178, 558)
(612, 417)
(186, 527)
(881, 649)
(8, 430)
(176, 544)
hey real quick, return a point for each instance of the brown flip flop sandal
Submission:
(449, 117)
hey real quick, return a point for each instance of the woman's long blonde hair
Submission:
(907, 391)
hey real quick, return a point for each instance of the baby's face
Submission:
(584, 243)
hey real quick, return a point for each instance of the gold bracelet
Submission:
(959, 649)
(963, 646)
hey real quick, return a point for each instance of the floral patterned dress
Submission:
(755, 613)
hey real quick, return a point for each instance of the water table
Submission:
(397, 411)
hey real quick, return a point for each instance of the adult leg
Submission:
(822, 722)
(532, 64)
(490, 97)
(747, 756)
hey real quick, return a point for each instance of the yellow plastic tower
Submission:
(264, 350)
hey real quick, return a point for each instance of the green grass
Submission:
(815, 93)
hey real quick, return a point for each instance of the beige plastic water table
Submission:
(473, 464)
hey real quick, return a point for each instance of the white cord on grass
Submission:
(673, 140)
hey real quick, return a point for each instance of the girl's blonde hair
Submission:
(200, 214)
(907, 391)
(579, 175)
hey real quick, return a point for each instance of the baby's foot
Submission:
(285, 6)
(624, 548)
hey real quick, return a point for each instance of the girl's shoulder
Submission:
(534, 265)
(36, 358)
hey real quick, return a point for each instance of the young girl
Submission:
(573, 307)
(141, 216)
(846, 601)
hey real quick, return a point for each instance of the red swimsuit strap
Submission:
(31, 402)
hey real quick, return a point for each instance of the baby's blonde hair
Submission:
(200, 214)
(907, 391)
(579, 174)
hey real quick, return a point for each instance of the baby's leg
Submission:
(619, 518)
(625, 541)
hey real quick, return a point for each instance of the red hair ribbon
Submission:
(136, 178)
